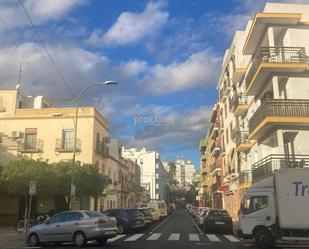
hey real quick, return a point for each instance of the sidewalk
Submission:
(10, 239)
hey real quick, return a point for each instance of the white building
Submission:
(153, 174)
(184, 172)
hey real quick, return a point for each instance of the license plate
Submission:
(219, 222)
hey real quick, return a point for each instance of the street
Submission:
(177, 231)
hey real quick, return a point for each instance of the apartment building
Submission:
(263, 100)
(124, 179)
(153, 174)
(30, 127)
(184, 172)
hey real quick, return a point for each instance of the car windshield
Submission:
(218, 213)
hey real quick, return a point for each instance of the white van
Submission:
(160, 206)
(140, 205)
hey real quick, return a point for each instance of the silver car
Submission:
(74, 226)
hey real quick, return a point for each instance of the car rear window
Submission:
(218, 213)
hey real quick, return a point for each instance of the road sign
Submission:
(32, 187)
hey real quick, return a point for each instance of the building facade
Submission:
(31, 128)
(184, 172)
(153, 174)
(263, 101)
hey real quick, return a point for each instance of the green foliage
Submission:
(53, 180)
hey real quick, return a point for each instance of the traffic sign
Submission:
(32, 187)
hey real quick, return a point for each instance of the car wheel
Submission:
(33, 240)
(79, 239)
(121, 229)
(101, 241)
(264, 239)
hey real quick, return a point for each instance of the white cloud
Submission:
(131, 27)
(190, 125)
(200, 68)
(78, 66)
(12, 14)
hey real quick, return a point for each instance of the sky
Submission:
(166, 56)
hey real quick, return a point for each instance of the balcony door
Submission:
(30, 142)
(67, 139)
(289, 147)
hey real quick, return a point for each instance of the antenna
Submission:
(20, 71)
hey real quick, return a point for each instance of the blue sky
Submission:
(165, 54)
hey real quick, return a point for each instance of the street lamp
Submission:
(108, 82)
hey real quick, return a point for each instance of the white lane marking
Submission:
(161, 224)
(213, 238)
(195, 225)
(116, 238)
(231, 238)
(135, 237)
(174, 236)
(194, 237)
(154, 236)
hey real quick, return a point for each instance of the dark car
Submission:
(127, 219)
(218, 220)
(147, 215)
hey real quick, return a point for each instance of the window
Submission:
(141, 161)
(157, 185)
(225, 110)
(254, 203)
(2, 108)
(68, 139)
(227, 135)
(157, 166)
(157, 175)
(73, 216)
(57, 218)
(30, 138)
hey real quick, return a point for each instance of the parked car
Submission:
(218, 220)
(155, 214)
(74, 226)
(139, 205)
(160, 206)
(147, 215)
(127, 219)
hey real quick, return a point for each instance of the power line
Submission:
(45, 49)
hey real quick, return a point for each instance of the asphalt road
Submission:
(178, 231)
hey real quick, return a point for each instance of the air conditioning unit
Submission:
(16, 134)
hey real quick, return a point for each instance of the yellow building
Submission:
(31, 128)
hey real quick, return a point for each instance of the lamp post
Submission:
(109, 82)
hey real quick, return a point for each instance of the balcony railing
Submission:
(67, 146)
(269, 164)
(239, 99)
(245, 176)
(276, 55)
(33, 146)
(281, 108)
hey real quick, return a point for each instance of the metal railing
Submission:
(67, 146)
(33, 146)
(281, 108)
(239, 99)
(266, 166)
(276, 55)
(245, 176)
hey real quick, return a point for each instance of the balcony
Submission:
(203, 158)
(33, 146)
(215, 150)
(215, 187)
(241, 140)
(215, 168)
(204, 171)
(240, 104)
(203, 144)
(266, 166)
(245, 178)
(230, 174)
(213, 131)
(238, 74)
(63, 146)
(278, 112)
(204, 184)
(259, 26)
(102, 149)
(271, 60)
